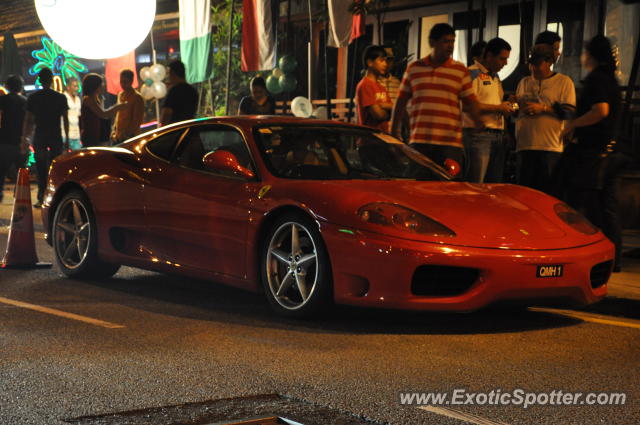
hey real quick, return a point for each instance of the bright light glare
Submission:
(97, 29)
(510, 33)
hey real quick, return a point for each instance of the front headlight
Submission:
(401, 218)
(574, 219)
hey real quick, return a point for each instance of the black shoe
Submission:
(38, 204)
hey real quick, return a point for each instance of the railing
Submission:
(339, 109)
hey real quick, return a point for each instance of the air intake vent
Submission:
(442, 281)
(600, 274)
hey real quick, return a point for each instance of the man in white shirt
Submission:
(546, 100)
(75, 102)
(484, 148)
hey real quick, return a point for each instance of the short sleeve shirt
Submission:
(434, 94)
(598, 87)
(488, 89)
(368, 93)
(12, 108)
(392, 84)
(542, 131)
(248, 106)
(47, 107)
(183, 101)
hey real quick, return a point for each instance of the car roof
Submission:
(255, 120)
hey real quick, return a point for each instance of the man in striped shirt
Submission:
(430, 92)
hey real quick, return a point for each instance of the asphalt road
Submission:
(171, 341)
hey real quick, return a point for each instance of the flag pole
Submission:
(310, 56)
(326, 64)
(353, 78)
(229, 45)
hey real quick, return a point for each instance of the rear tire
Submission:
(75, 241)
(295, 267)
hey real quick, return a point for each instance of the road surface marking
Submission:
(61, 313)
(590, 317)
(456, 414)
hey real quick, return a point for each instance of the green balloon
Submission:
(288, 82)
(148, 81)
(273, 85)
(287, 63)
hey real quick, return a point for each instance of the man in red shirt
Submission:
(372, 100)
(431, 92)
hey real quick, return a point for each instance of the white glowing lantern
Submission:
(97, 29)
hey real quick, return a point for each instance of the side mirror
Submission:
(226, 161)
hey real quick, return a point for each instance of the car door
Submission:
(196, 217)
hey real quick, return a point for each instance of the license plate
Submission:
(550, 270)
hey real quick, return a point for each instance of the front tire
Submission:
(295, 267)
(75, 242)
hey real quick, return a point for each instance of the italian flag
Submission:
(195, 39)
(258, 36)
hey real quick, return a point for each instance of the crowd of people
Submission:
(53, 122)
(461, 115)
(452, 113)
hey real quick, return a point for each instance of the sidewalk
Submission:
(624, 287)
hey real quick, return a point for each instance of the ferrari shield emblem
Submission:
(263, 191)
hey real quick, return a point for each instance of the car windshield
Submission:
(341, 153)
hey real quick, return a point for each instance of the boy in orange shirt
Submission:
(372, 100)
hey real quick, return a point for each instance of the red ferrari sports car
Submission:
(313, 212)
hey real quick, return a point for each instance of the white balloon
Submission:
(68, 24)
(145, 74)
(159, 89)
(277, 72)
(301, 107)
(321, 113)
(158, 72)
(146, 92)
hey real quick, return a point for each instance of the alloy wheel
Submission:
(72, 233)
(292, 265)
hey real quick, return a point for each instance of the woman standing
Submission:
(589, 185)
(259, 103)
(92, 111)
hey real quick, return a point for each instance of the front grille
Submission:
(442, 281)
(600, 273)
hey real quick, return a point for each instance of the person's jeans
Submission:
(484, 155)
(44, 155)
(75, 144)
(597, 198)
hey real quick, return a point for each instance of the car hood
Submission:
(485, 216)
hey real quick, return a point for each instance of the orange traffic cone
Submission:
(21, 245)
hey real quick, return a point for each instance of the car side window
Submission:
(201, 141)
(163, 145)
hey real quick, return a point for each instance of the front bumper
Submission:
(375, 270)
